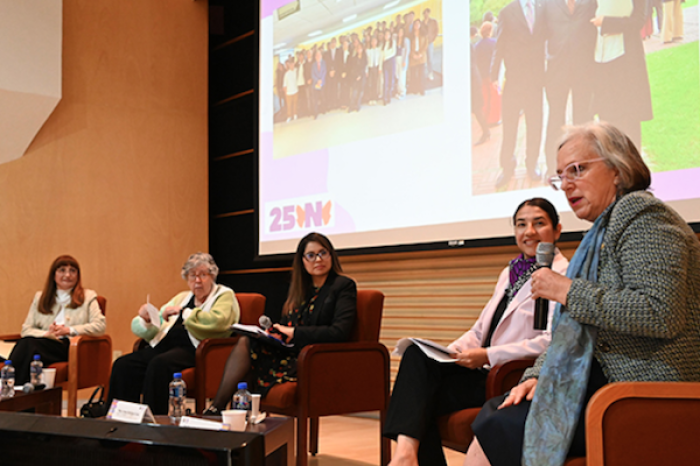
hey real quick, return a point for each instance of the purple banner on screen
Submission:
(268, 6)
(676, 185)
(291, 176)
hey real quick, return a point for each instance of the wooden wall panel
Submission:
(432, 294)
(118, 175)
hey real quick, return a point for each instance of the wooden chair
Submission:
(338, 378)
(632, 423)
(456, 428)
(89, 363)
(203, 380)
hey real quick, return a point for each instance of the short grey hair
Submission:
(197, 259)
(618, 151)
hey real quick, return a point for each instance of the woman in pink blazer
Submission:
(426, 389)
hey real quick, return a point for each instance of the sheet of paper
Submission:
(430, 348)
(197, 423)
(153, 312)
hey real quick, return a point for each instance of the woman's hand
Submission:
(597, 21)
(58, 331)
(472, 358)
(288, 332)
(170, 311)
(551, 285)
(143, 313)
(524, 390)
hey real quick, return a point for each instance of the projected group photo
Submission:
(539, 65)
(372, 73)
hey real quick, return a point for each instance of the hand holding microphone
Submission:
(545, 257)
(266, 324)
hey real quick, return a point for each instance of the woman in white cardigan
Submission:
(426, 389)
(62, 310)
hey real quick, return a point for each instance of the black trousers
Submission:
(424, 390)
(150, 371)
(501, 431)
(50, 350)
(519, 96)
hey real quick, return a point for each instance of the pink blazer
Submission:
(514, 337)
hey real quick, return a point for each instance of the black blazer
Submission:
(334, 315)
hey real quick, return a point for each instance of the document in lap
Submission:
(256, 332)
(430, 348)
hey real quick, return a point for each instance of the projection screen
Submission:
(407, 122)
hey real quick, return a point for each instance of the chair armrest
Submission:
(503, 377)
(343, 378)
(10, 337)
(643, 423)
(89, 361)
(210, 361)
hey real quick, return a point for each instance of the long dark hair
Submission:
(301, 280)
(543, 204)
(48, 296)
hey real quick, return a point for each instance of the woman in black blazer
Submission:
(321, 307)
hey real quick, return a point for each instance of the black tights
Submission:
(236, 369)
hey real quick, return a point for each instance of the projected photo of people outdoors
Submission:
(537, 65)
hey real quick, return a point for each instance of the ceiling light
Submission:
(349, 18)
(315, 33)
(392, 4)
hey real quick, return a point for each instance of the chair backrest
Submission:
(252, 306)
(102, 302)
(370, 305)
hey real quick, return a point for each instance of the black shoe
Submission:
(212, 411)
(485, 136)
(503, 179)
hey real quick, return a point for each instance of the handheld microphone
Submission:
(265, 322)
(29, 387)
(544, 257)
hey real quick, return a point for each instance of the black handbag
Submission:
(95, 407)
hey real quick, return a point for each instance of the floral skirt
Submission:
(270, 365)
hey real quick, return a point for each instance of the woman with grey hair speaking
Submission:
(629, 305)
(207, 310)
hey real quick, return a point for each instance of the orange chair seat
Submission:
(282, 396)
(456, 428)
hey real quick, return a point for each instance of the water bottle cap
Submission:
(177, 375)
(37, 357)
(8, 362)
(243, 386)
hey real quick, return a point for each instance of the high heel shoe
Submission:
(485, 136)
(212, 411)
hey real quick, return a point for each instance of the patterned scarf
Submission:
(561, 388)
(520, 271)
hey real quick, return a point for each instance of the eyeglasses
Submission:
(311, 256)
(194, 276)
(571, 172)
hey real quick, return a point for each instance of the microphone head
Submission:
(27, 387)
(545, 254)
(265, 322)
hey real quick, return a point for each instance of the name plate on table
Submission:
(133, 413)
(196, 423)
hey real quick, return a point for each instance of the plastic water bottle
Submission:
(7, 376)
(178, 390)
(35, 369)
(242, 398)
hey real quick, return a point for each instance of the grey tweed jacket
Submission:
(646, 303)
